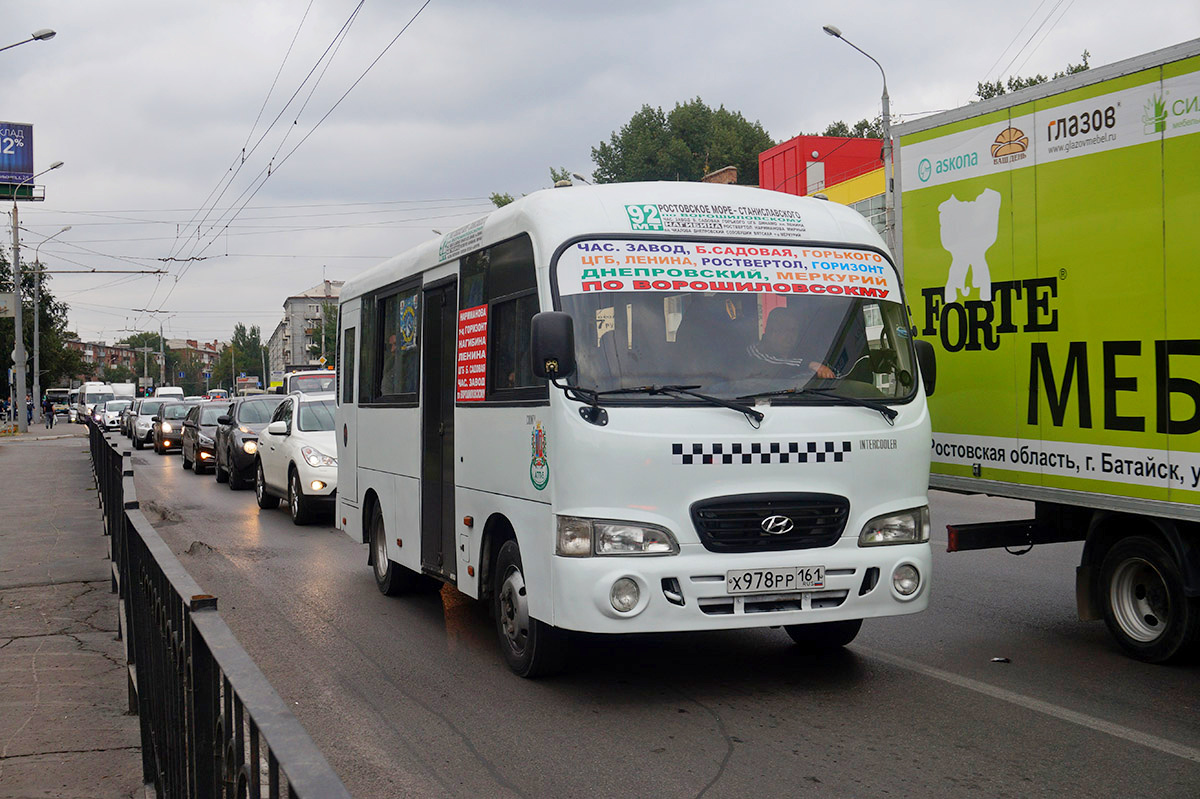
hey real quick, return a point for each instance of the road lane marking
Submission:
(1040, 706)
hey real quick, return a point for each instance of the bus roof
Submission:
(682, 210)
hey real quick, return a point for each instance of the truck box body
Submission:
(1050, 250)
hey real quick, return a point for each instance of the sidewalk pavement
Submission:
(64, 726)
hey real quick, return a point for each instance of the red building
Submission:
(808, 164)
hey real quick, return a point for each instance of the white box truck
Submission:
(1050, 252)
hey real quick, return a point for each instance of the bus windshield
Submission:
(830, 320)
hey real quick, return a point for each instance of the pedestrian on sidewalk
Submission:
(28, 409)
(48, 412)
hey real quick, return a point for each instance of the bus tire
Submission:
(266, 500)
(391, 578)
(531, 648)
(1141, 591)
(824, 636)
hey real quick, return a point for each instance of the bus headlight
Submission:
(905, 527)
(580, 538)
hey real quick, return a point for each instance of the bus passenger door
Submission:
(440, 327)
(347, 431)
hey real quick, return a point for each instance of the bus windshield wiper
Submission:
(887, 412)
(751, 413)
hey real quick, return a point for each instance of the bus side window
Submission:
(366, 354)
(511, 366)
(346, 372)
(397, 344)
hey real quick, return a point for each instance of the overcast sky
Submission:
(151, 104)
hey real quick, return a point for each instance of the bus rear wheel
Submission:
(1144, 604)
(531, 648)
(391, 578)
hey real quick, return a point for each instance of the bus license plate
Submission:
(774, 581)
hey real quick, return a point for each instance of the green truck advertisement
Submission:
(1050, 245)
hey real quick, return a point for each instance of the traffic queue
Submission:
(281, 444)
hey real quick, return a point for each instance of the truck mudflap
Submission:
(1018, 533)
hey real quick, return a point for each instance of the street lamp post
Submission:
(889, 226)
(37, 36)
(37, 338)
(18, 316)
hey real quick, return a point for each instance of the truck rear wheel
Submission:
(824, 636)
(1144, 605)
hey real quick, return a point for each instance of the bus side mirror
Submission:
(552, 345)
(928, 364)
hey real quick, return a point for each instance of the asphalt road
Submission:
(410, 696)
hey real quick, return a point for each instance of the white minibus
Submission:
(641, 407)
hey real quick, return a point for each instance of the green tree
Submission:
(325, 335)
(987, 90)
(502, 199)
(59, 363)
(148, 362)
(690, 141)
(245, 354)
(863, 129)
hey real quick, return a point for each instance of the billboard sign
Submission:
(8, 304)
(16, 152)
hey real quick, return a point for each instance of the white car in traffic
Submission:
(297, 457)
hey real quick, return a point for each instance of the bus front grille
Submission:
(770, 522)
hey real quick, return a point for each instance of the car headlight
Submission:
(581, 538)
(166, 427)
(206, 440)
(905, 527)
(315, 457)
(250, 447)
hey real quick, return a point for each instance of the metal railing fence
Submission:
(211, 724)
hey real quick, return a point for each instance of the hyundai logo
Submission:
(777, 525)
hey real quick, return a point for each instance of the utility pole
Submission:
(19, 355)
(18, 352)
(162, 356)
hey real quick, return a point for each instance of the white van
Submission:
(641, 408)
(169, 391)
(89, 395)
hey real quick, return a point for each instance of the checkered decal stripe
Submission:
(776, 452)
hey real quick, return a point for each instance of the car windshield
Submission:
(149, 407)
(92, 397)
(176, 411)
(117, 405)
(210, 413)
(258, 411)
(316, 416)
(831, 320)
(313, 384)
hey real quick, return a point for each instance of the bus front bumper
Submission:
(687, 592)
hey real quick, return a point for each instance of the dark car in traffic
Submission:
(197, 444)
(168, 425)
(237, 438)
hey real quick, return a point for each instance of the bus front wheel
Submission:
(531, 648)
(824, 636)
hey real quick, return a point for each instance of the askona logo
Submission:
(1010, 145)
(1154, 115)
(924, 169)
